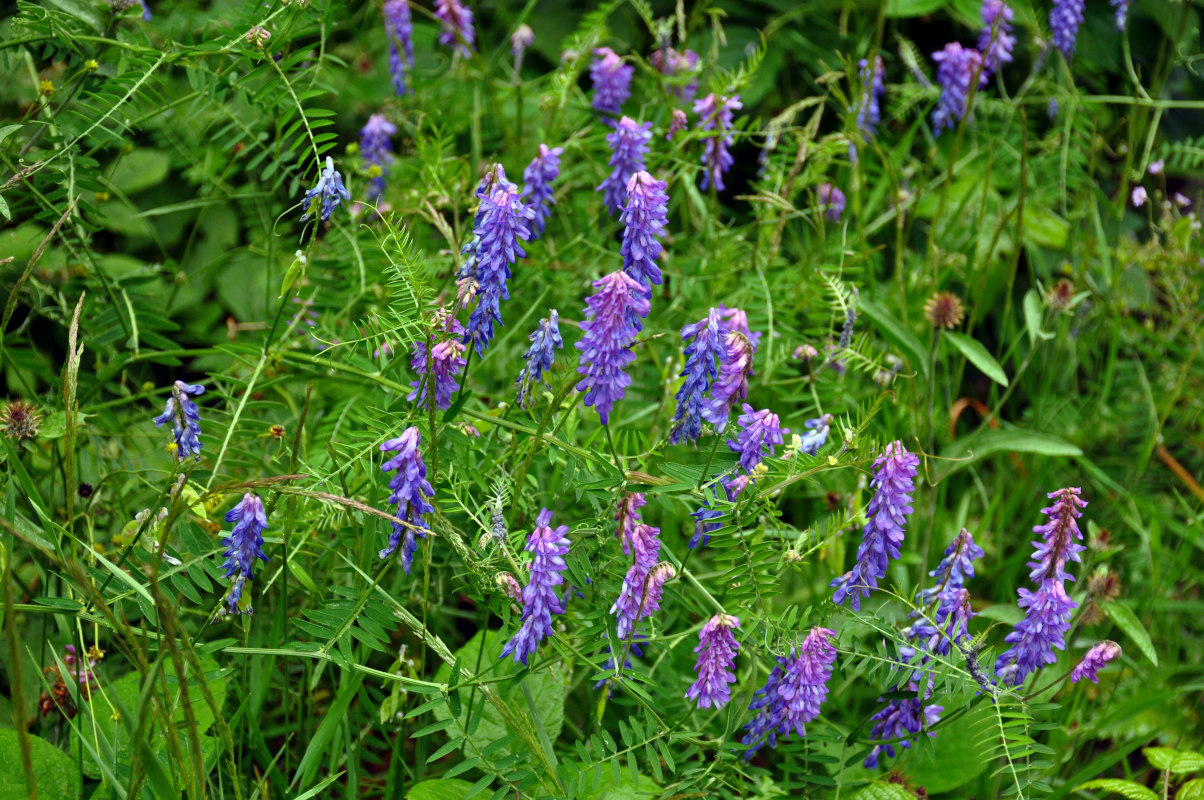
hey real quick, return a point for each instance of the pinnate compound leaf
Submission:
(1129, 789)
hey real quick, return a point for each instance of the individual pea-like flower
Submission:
(607, 338)
(545, 340)
(628, 145)
(537, 186)
(243, 546)
(400, 31)
(410, 492)
(715, 667)
(457, 32)
(893, 484)
(446, 359)
(547, 547)
(502, 221)
(760, 432)
(377, 151)
(1064, 20)
(956, 71)
(1139, 196)
(704, 346)
(716, 114)
(677, 124)
(329, 192)
(817, 435)
(1156, 167)
(831, 200)
(1095, 660)
(185, 419)
(671, 62)
(644, 217)
(793, 694)
(522, 38)
(735, 366)
(509, 586)
(944, 310)
(630, 607)
(611, 79)
(996, 40)
(869, 110)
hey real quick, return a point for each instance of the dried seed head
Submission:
(1104, 584)
(1060, 295)
(944, 310)
(276, 432)
(20, 420)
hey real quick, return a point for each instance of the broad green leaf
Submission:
(959, 753)
(896, 333)
(54, 770)
(912, 8)
(1187, 761)
(4, 209)
(1129, 789)
(1177, 761)
(1128, 622)
(1032, 317)
(141, 169)
(439, 789)
(1192, 790)
(879, 790)
(987, 441)
(973, 350)
(1159, 757)
(1008, 613)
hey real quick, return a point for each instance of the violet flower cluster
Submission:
(377, 151)
(446, 359)
(792, 695)
(632, 605)
(547, 547)
(1064, 20)
(458, 32)
(1095, 660)
(817, 434)
(831, 200)
(869, 109)
(731, 387)
(1048, 609)
(644, 217)
(243, 546)
(185, 419)
(716, 115)
(715, 667)
(545, 340)
(628, 145)
(606, 341)
(410, 492)
(537, 185)
(611, 80)
(399, 29)
(1121, 16)
(893, 484)
(328, 193)
(671, 62)
(501, 223)
(996, 41)
(956, 71)
(704, 346)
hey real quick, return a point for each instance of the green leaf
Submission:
(141, 169)
(879, 790)
(896, 333)
(973, 350)
(1177, 761)
(1187, 761)
(1129, 789)
(439, 789)
(4, 209)
(1128, 622)
(55, 772)
(1192, 790)
(1008, 613)
(912, 8)
(1032, 317)
(335, 715)
(987, 441)
(959, 756)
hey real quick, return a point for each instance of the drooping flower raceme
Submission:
(1098, 656)
(628, 517)
(410, 492)
(716, 651)
(329, 191)
(893, 483)
(737, 320)
(1064, 20)
(792, 696)
(716, 115)
(760, 432)
(606, 342)
(644, 218)
(629, 608)
(377, 151)
(831, 200)
(457, 32)
(545, 340)
(611, 79)
(735, 365)
(501, 224)
(1047, 610)
(996, 41)
(243, 546)
(1121, 8)
(869, 110)
(628, 145)
(672, 62)
(704, 345)
(185, 419)
(956, 71)
(902, 717)
(400, 30)
(677, 124)
(446, 358)
(522, 38)
(537, 185)
(547, 547)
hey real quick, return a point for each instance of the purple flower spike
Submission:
(522, 38)
(831, 200)
(996, 40)
(539, 355)
(410, 490)
(905, 717)
(1122, 13)
(606, 344)
(243, 546)
(737, 320)
(735, 365)
(501, 222)
(611, 79)
(793, 694)
(760, 432)
(644, 218)
(704, 346)
(654, 588)
(716, 115)
(956, 69)
(671, 62)
(677, 124)
(1064, 20)
(547, 547)
(629, 609)
(716, 651)
(869, 110)
(400, 30)
(1099, 655)
(377, 151)
(1057, 544)
(185, 419)
(628, 517)
(457, 32)
(893, 484)
(628, 144)
(447, 359)
(329, 190)
(537, 185)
